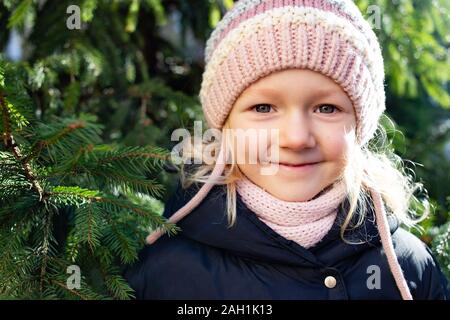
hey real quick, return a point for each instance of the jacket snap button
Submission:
(330, 282)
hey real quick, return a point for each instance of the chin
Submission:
(294, 191)
(294, 197)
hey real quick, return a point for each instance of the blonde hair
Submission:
(374, 165)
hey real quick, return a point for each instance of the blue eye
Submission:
(329, 108)
(265, 108)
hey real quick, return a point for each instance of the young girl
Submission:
(325, 224)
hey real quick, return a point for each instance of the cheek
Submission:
(251, 138)
(336, 147)
(254, 145)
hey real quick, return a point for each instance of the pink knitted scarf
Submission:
(305, 222)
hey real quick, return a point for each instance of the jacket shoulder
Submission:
(157, 272)
(422, 271)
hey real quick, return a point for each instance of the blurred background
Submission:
(133, 69)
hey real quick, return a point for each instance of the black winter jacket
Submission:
(207, 260)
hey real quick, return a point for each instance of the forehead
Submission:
(296, 83)
(293, 80)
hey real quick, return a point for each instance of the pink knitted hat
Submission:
(258, 37)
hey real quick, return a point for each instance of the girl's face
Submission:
(312, 114)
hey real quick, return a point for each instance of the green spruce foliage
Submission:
(67, 199)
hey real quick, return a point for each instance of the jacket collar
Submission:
(252, 239)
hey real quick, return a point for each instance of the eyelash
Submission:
(266, 104)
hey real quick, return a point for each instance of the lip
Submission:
(296, 165)
(297, 168)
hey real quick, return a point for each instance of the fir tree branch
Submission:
(41, 144)
(84, 292)
(122, 205)
(135, 154)
(90, 231)
(10, 144)
(136, 183)
(70, 290)
(92, 196)
(45, 247)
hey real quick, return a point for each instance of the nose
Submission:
(296, 132)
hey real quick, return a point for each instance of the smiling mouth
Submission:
(295, 165)
(293, 171)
